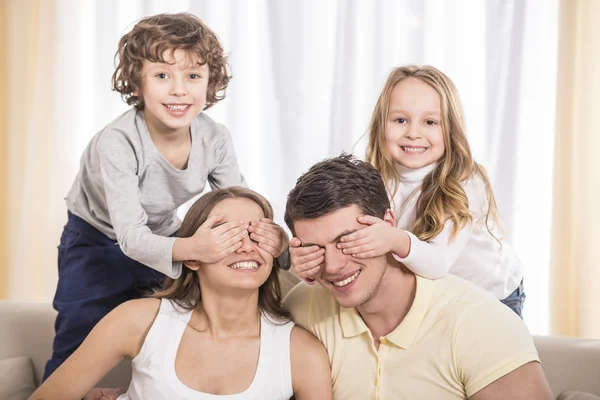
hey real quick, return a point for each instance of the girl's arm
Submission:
(434, 259)
(311, 372)
(120, 334)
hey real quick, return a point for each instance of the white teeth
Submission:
(177, 107)
(347, 280)
(414, 149)
(244, 265)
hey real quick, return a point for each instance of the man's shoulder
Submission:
(309, 304)
(456, 296)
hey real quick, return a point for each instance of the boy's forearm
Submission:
(181, 250)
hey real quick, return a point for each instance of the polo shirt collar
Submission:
(353, 324)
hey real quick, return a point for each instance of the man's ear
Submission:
(193, 265)
(389, 217)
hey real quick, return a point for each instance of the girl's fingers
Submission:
(368, 219)
(366, 254)
(354, 243)
(316, 263)
(359, 234)
(295, 242)
(309, 257)
(357, 249)
(297, 252)
(310, 274)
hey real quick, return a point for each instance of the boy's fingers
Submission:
(212, 221)
(270, 249)
(295, 242)
(229, 250)
(237, 232)
(264, 239)
(226, 227)
(255, 226)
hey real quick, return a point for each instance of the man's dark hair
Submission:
(333, 184)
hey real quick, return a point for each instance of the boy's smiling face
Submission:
(174, 92)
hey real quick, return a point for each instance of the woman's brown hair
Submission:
(442, 195)
(185, 290)
(151, 37)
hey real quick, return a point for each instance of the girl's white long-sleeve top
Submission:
(473, 254)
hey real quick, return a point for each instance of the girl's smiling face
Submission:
(413, 130)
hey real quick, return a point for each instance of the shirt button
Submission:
(376, 382)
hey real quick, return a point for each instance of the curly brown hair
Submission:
(151, 37)
(185, 290)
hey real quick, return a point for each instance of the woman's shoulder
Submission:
(305, 343)
(138, 312)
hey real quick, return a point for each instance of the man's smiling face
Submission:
(351, 281)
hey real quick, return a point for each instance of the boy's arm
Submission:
(311, 372)
(118, 167)
(120, 334)
(226, 171)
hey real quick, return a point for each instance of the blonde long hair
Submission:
(442, 194)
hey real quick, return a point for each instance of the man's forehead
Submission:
(328, 228)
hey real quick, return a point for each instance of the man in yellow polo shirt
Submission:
(391, 334)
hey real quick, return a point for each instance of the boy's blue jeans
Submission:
(516, 299)
(94, 277)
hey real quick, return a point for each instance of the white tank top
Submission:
(153, 369)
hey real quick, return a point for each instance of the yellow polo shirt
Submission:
(455, 340)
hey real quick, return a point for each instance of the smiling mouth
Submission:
(413, 150)
(347, 281)
(245, 265)
(177, 107)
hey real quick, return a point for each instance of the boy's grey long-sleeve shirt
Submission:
(128, 190)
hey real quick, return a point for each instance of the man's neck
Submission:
(392, 301)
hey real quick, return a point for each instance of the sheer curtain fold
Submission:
(3, 163)
(306, 78)
(576, 216)
(31, 157)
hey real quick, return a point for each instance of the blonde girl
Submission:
(446, 216)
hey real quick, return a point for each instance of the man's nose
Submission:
(335, 260)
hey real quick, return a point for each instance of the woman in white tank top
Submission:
(217, 332)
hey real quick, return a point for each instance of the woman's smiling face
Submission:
(249, 266)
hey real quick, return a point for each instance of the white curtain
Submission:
(306, 77)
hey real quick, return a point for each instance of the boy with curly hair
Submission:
(134, 174)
